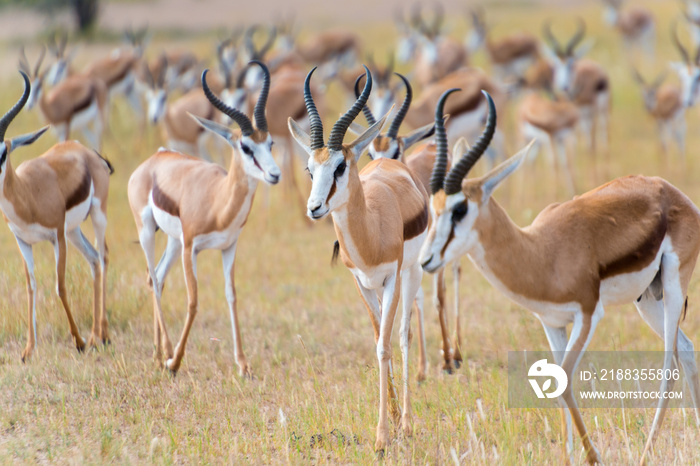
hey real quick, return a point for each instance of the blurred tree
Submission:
(84, 11)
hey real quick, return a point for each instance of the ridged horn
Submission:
(236, 115)
(453, 181)
(366, 110)
(401, 114)
(549, 37)
(437, 178)
(12, 113)
(335, 140)
(259, 112)
(577, 38)
(314, 119)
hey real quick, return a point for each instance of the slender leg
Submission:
(190, 267)
(456, 275)
(581, 333)
(147, 239)
(419, 305)
(229, 256)
(410, 285)
(81, 243)
(369, 297)
(28, 258)
(60, 253)
(99, 223)
(390, 302)
(673, 298)
(439, 302)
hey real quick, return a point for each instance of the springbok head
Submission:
(35, 74)
(564, 58)
(253, 143)
(333, 166)
(157, 92)
(59, 69)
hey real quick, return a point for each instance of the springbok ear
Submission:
(26, 139)
(459, 149)
(356, 128)
(493, 178)
(358, 146)
(549, 54)
(418, 135)
(584, 48)
(214, 127)
(678, 67)
(300, 136)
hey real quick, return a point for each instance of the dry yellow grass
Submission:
(314, 397)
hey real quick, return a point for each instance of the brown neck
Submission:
(14, 189)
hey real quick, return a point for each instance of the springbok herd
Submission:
(411, 209)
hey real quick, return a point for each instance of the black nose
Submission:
(274, 179)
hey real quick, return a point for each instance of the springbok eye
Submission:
(311, 175)
(340, 169)
(246, 149)
(458, 212)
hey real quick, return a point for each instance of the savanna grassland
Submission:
(305, 331)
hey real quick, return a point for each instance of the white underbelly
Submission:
(30, 233)
(85, 117)
(626, 288)
(374, 278)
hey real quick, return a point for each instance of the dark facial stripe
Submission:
(416, 225)
(450, 237)
(164, 202)
(331, 192)
(81, 192)
(636, 258)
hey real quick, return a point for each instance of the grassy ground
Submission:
(314, 396)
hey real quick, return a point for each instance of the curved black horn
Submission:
(236, 115)
(366, 110)
(440, 168)
(577, 38)
(401, 114)
(314, 119)
(453, 181)
(259, 112)
(677, 42)
(335, 140)
(12, 113)
(549, 37)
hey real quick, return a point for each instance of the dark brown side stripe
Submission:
(164, 202)
(81, 192)
(416, 225)
(85, 103)
(637, 257)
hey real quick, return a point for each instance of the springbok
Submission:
(421, 161)
(584, 81)
(635, 24)
(634, 239)
(77, 102)
(688, 70)
(46, 199)
(510, 56)
(381, 218)
(60, 69)
(664, 104)
(200, 206)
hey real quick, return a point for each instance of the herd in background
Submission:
(408, 210)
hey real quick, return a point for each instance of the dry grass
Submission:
(306, 333)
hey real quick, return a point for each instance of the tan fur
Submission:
(470, 80)
(512, 47)
(41, 191)
(327, 45)
(551, 116)
(633, 21)
(668, 102)
(112, 69)
(179, 125)
(451, 56)
(75, 93)
(590, 80)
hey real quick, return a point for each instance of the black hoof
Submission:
(458, 363)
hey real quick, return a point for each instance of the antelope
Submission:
(77, 102)
(552, 121)
(420, 162)
(691, 12)
(157, 92)
(584, 81)
(663, 102)
(688, 70)
(438, 56)
(200, 206)
(381, 218)
(511, 56)
(635, 24)
(467, 110)
(46, 199)
(633, 239)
